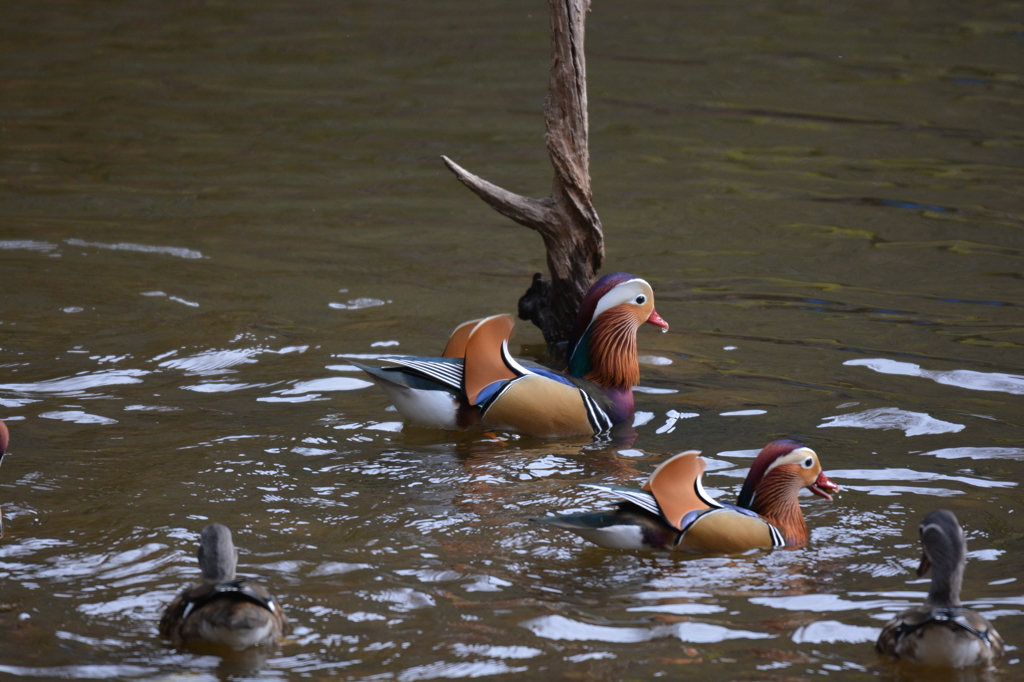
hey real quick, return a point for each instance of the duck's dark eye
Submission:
(808, 463)
(641, 299)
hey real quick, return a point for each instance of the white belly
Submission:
(614, 537)
(426, 408)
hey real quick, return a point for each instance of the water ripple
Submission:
(139, 248)
(441, 669)
(77, 386)
(912, 423)
(80, 672)
(961, 378)
(28, 244)
(978, 453)
(891, 474)
(560, 628)
(77, 417)
(832, 631)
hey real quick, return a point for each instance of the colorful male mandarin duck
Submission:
(478, 381)
(941, 632)
(223, 609)
(671, 511)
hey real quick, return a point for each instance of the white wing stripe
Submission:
(599, 420)
(447, 373)
(707, 499)
(777, 539)
(510, 361)
(640, 498)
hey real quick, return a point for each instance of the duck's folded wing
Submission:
(889, 640)
(456, 347)
(625, 527)
(979, 625)
(676, 485)
(446, 371)
(425, 374)
(988, 633)
(640, 498)
(487, 357)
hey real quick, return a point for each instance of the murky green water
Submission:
(826, 197)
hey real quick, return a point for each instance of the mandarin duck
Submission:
(941, 632)
(478, 381)
(671, 511)
(223, 609)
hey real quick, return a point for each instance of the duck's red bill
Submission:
(823, 486)
(656, 320)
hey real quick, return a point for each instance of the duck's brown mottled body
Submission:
(223, 610)
(942, 633)
(959, 638)
(234, 619)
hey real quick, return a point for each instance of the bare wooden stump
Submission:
(566, 220)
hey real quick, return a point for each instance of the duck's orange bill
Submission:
(823, 486)
(656, 320)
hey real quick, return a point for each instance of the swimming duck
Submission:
(223, 609)
(478, 381)
(671, 511)
(941, 632)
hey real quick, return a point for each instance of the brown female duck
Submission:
(223, 609)
(673, 512)
(942, 632)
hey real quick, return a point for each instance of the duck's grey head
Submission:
(945, 551)
(217, 554)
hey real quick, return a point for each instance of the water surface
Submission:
(210, 209)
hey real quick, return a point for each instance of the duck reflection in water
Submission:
(942, 633)
(223, 610)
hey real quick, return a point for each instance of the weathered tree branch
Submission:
(566, 220)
